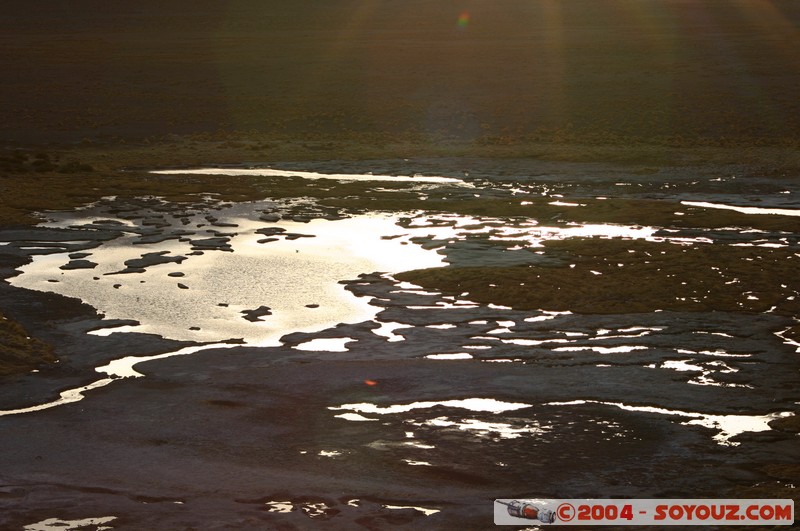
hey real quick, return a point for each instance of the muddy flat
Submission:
(362, 265)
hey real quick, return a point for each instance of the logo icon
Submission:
(529, 511)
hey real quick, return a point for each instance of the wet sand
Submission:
(559, 115)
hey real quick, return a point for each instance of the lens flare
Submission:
(463, 19)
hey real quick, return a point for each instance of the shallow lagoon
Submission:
(364, 377)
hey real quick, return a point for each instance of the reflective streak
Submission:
(602, 350)
(105, 332)
(56, 524)
(453, 356)
(67, 397)
(547, 315)
(744, 210)
(423, 510)
(535, 235)
(728, 426)
(421, 446)
(416, 463)
(123, 367)
(500, 429)
(720, 353)
(313, 510)
(270, 172)
(781, 335)
(473, 404)
(335, 344)
(119, 368)
(565, 204)
(329, 453)
(705, 376)
(623, 336)
(533, 342)
(355, 417)
(681, 365)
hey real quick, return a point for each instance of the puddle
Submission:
(206, 298)
(386, 330)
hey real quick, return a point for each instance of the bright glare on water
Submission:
(298, 280)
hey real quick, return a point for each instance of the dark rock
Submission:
(270, 231)
(78, 264)
(114, 222)
(138, 265)
(176, 274)
(212, 244)
(183, 286)
(158, 222)
(159, 237)
(255, 315)
(37, 234)
(295, 236)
